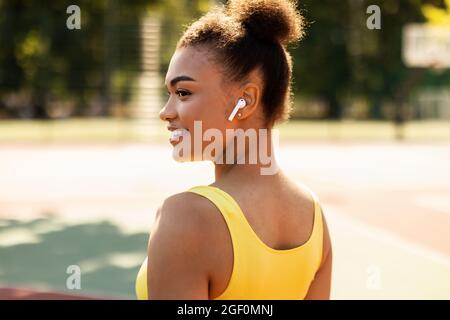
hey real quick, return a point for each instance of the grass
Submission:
(346, 130)
(126, 130)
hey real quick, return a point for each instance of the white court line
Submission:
(388, 238)
(439, 203)
(378, 234)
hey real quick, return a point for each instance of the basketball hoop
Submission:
(426, 46)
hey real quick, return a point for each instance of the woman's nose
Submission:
(167, 113)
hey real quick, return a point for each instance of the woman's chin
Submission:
(181, 157)
(190, 158)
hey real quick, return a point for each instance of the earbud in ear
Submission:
(240, 104)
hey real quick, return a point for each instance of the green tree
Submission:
(341, 57)
(42, 59)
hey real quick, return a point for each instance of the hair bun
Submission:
(271, 20)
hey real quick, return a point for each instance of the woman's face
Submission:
(197, 92)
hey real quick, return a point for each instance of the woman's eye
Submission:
(182, 93)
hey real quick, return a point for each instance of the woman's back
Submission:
(264, 245)
(281, 220)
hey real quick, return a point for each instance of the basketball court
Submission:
(387, 205)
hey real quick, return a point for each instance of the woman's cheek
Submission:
(187, 114)
(189, 111)
(210, 113)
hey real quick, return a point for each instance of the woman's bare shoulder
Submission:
(298, 192)
(187, 214)
(177, 250)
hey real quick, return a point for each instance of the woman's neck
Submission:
(242, 167)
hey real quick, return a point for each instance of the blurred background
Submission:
(85, 160)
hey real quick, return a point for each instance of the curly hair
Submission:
(245, 35)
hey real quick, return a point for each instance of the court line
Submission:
(388, 238)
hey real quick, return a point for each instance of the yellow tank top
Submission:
(259, 271)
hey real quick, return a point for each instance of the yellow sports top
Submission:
(259, 271)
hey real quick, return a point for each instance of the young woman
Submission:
(248, 235)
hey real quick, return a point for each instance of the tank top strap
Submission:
(317, 232)
(241, 230)
(232, 214)
(228, 207)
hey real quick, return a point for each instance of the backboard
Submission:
(426, 45)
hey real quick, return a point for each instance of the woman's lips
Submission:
(177, 134)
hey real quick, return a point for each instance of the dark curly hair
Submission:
(248, 34)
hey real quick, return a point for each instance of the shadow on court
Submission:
(108, 259)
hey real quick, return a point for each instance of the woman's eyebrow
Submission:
(174, 81)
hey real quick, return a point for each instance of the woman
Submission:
(248, 235)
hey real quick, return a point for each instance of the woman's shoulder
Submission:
(299, 191)
(317, 204)
(186, 205)
(178, 248)
(186, 213)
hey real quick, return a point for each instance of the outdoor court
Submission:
(387, 205)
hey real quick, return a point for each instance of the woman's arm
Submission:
(321, 286)
(176, 252)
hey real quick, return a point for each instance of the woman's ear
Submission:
(251, 93)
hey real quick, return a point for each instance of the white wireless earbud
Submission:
(240, 104)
